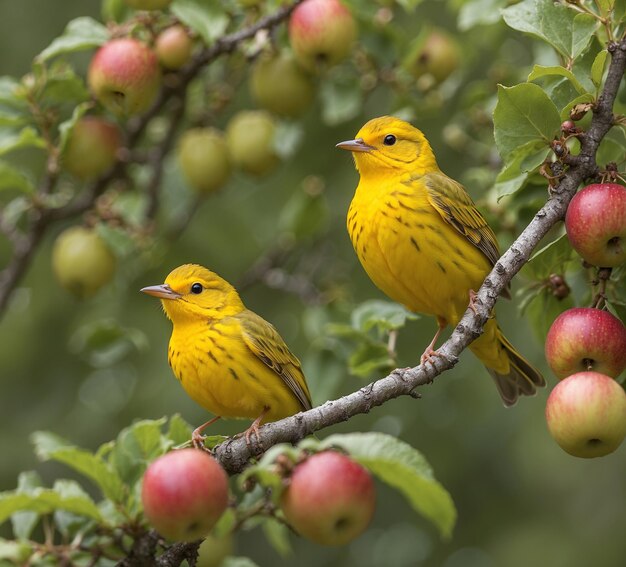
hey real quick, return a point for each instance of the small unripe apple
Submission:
(148, 4)
(92, 147)
(213, 550)
(281, 86)
(250, 138)
(81, 261)
(125, 76)
(184, 493)
(583, 338)
(173, 47)
(435, 54)
(204, 159)
(595, 223)
(321, 33)
(330, 498)
(586, 414)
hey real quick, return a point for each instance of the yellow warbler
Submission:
(228, 359)
(423, 242)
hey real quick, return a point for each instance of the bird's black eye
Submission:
(196, 288)
(389, 140)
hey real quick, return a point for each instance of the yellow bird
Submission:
(228, 359)
(423, 242)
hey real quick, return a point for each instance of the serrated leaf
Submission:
(14, 179)
(597, 68)
(15, 140)
(52, 447)
(401, 466)
(543, 71)
(206, 17)
(384, 315)
(79, 34)
(523, 115)
(340, 101)
(569, 32)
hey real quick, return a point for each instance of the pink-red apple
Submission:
(184, 493)
(125, 76)
(148, 4)
(330, 498)
(173, 47)
(321, 33)
(584, 338)
(596, 224)
(586, 414)
(92, 147)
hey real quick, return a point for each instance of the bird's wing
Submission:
(456, 207)
(268, 346)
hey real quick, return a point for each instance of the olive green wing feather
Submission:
(456, 207)
(268, 346)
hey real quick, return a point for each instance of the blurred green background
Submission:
(521, 500)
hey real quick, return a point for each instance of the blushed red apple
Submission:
(184, 493)
(173, 47)
(321, 33)
(586, 414)
(330, 498)
(125, 76)
(584, 338)
(596, 224)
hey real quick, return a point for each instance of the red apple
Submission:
(596, 224)
(184, 493)
(148, 4)
(124, 75)
(586, 339)
(173, 47)
(330, 498)
(92, 147)
(586, 414)
(321, 33)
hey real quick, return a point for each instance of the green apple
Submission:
(435, 55)
(250, 138)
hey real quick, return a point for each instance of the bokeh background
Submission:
(521, 500)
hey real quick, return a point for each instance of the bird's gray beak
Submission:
(357, 145)
(163, 291)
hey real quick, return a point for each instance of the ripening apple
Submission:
(595, 223)
(435, 54)
(184, 493)
(173, 47)
(321, 33)
(148, 4)
(214, 550)
(584, 338)
(204, 159)
(281, 86)
(82, 261)
(250, 139)
(125, 76)
(330, 498)
(586, 414)
(91, 147)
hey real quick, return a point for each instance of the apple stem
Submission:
(603, 275)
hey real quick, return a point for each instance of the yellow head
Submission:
(192, 293)
(388, 145)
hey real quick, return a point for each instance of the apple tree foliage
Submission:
(532, 117)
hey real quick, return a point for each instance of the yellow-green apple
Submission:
(184, 493)
(204, 159)
(586, 414)
(321, 33)
(125, 76)
(281, 86)
(595, 223)
(82, 261)
(584, 338)
(214, 550)
(173, 47)
(330, 498)
(91, 147)
(250, 139)
(435, 54)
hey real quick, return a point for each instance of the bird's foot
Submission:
(429, 355)
(472, 301)
(197, 439)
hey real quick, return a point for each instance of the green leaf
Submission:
(552, 258)
(206, 17)
(564, 114)
(523, 115)
(340, 101)
(288, 138)
(401, 466)
(14, 551)
(13, 178)
(523, 162)
(80, 34)
(115, 10)
(543, 309)
(479, 12)
(597, 68)
(542, 71)
(68, 522)
(238, 562)
(178, 431)
(408, 5)
(305, 214)
(569, 32)
(25, 138)
(380, 314)
(24, 522)
(369, 357)
(277, 533)
(51, 447)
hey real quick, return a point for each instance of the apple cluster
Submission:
(586, 347)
